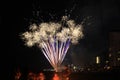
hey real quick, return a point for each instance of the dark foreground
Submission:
(95, 76)
(111, 75)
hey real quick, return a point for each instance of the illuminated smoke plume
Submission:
(54, 38)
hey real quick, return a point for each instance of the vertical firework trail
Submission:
(54, 38)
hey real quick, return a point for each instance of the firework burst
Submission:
(54, 38)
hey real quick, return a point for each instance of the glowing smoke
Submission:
(54, 38)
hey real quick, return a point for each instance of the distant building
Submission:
(114, 49)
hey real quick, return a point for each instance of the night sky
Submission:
(102, 17)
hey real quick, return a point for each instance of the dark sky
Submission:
(104, 17)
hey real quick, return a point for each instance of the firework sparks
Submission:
(54, 38)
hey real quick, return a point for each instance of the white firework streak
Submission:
(54, 39)
(47, 56)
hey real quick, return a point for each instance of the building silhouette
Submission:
(114, 49)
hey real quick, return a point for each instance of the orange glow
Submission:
(56, 77)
